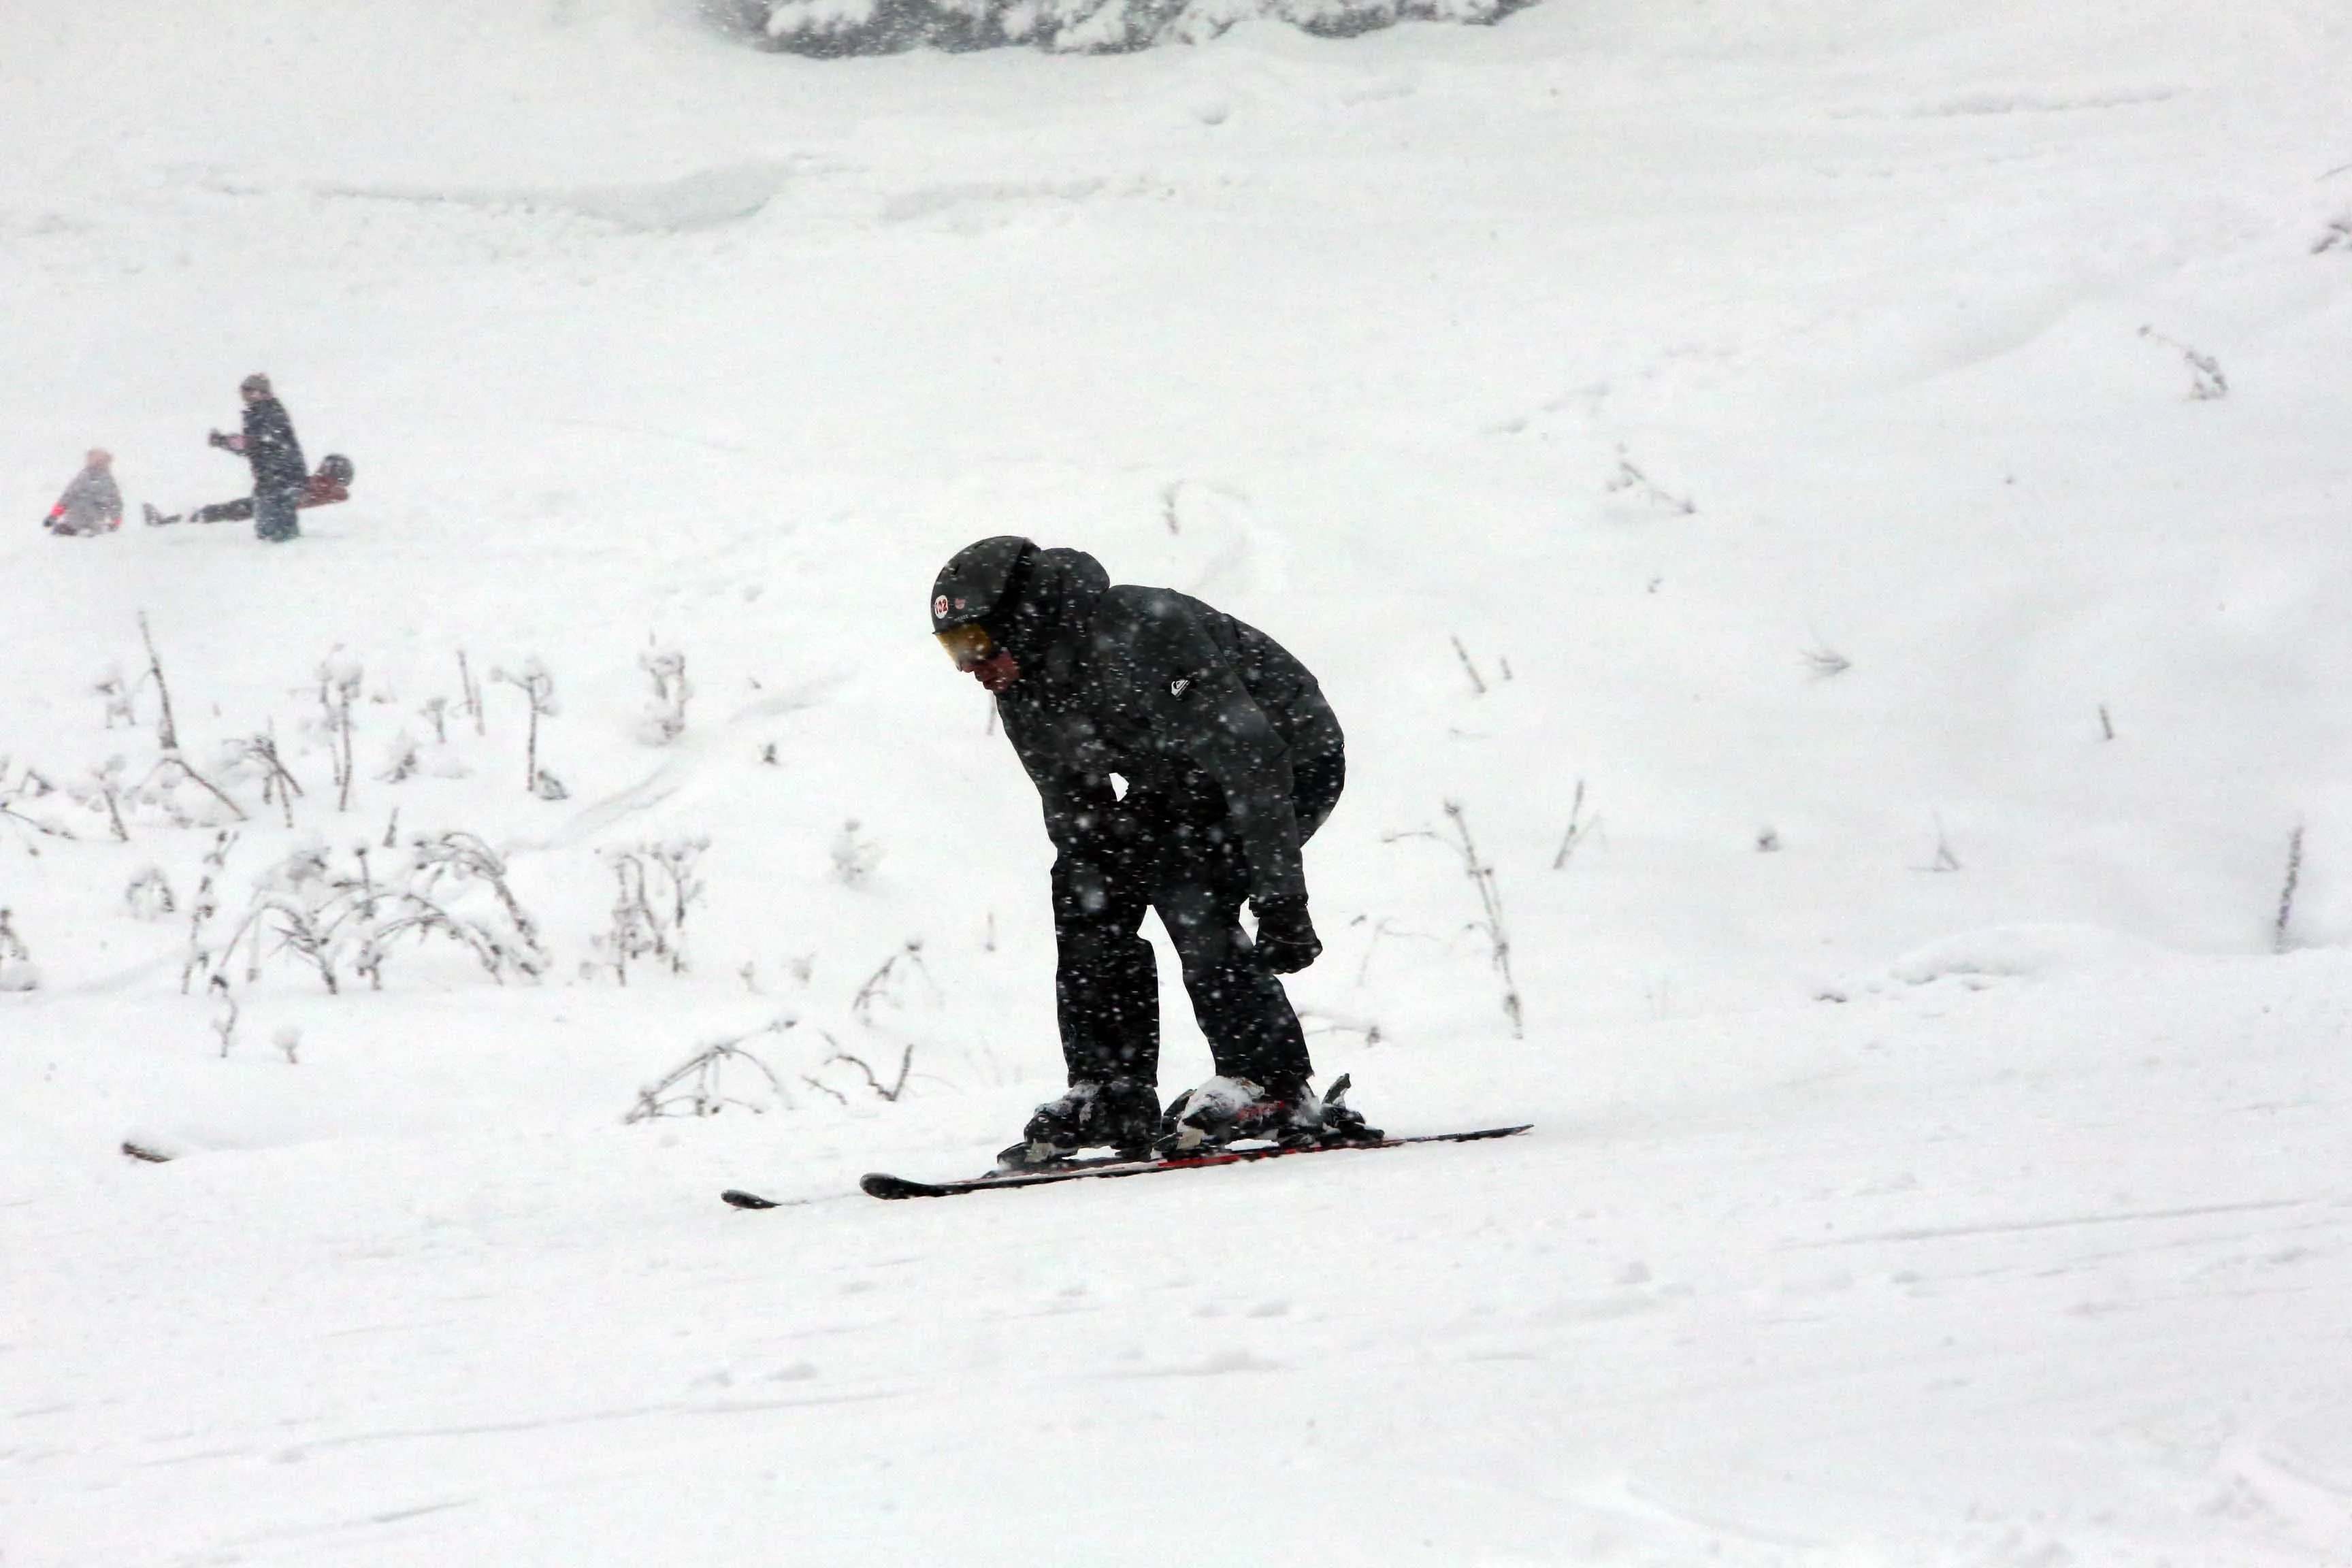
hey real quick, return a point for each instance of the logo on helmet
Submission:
(939, 606)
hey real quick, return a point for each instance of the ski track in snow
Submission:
(1719, 450)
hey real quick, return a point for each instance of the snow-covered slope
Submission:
(1748, 459)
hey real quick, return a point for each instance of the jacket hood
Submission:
(1047, 608)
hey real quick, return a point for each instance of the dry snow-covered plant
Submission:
(883, 984)
(29, 785)
(855, 856)
(531, 679)
(149, 896)
(258, 754)
(699, 1085)
(1490, 904)
(344, 918)
(1579, 831)
(1822, 661)
(1629, 477)
(340, 676)
(664, 718)
(201, 911)
(118, 691)
(2207, 384)
(17, 970)
(2280, 940)
(656, 885)
(103, 790)
(889, 1091)
(401, 760)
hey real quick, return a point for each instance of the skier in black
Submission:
(279, 474)
(1230, 759)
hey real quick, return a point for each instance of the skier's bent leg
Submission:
(1252, 1030)
(1106, 983)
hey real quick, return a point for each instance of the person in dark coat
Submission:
(280, 474)
(1230, 759)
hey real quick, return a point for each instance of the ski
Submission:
(880, 1184)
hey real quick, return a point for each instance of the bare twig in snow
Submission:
(897, 1085)
(1578, 829)
(882, 985)
(1629, 477)
(1824, 661)
(1490, 902)
(167, 730)
(18, 971)
(1477, 681)
(531, 679)
(664, 718)
(696, 1087)
(2279, 939)
(224, 1015)
(2207, 384)
(472, 698)
(1945, 860)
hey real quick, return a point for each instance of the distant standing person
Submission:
(92, 503)
(280, 474)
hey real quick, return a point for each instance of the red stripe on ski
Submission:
(881, 1184)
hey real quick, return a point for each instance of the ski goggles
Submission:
(969, 644)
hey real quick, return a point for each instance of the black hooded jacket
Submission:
(1181, 699)
(271, 448)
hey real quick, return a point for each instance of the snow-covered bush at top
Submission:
(832, 27)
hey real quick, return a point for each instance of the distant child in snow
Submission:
(331, 484)
(91, 504)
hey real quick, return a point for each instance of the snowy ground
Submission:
(1958, 1181)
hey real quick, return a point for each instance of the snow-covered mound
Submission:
(1827, 499)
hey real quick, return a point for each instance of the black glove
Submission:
(1285, 937)
(217, 439)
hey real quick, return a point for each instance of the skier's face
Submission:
(980, 656)
(998, 671)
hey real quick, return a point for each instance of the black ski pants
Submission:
(274, 518)
(1172, 851)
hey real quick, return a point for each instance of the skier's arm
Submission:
(1074, 803)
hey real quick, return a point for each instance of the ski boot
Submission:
(1121, 1115)
(1235, 1110)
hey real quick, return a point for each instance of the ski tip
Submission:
(744, 1200)
(878, 1185)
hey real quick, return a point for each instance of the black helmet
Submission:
(336, 467)
(976, 579)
